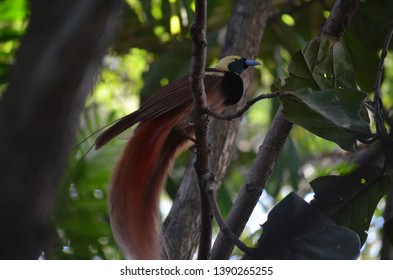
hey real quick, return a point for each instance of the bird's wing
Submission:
(164, 100)
(175, 94)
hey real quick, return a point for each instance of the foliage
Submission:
(13, 15)
(325, 99)
(335, 110)
(308, 234)
(153, 48)
(350, 200)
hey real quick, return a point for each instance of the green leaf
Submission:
(350, 200)
(287, 163)
(81, 212)
(299, 74)
(336, 115)
(13, 9)
(225, 201)
(365, 36)
(296, 230)
(323, 97)
(323, 63)
(7, 34)
(329, 63)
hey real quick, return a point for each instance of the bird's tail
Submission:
(137, 182)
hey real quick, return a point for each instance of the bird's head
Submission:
(235, 64)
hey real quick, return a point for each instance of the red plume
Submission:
(138, 180)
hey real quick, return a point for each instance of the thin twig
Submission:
(211, 195)
(200, 120)
(379, 110)
(380, 114)
(206, 180)
(245, 108)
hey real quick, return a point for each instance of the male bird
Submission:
(164, 131)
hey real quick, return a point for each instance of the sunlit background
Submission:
(152, 49)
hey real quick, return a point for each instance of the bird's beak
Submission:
(250, 62)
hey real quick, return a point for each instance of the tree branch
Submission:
(246, 15)
(200, 121)
(385, 137)
(340, 18)
(206, 180)
(248, 196)
(249, 103)
(380, 114)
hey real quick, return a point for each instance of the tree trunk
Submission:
(55, 69)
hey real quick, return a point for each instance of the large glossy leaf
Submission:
(296, 230)
(371, 18)
(337, 115)
(323, 63)
(350, 200)
(329, 63)
(299, 75)
(322, 93)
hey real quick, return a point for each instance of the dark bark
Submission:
(55, 68)
(250, 16)
(340, 18)
(200, 120)
(249, 195)
(182, 226)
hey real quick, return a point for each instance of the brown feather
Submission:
(167, 98)
(137, 182)
(140, 174)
